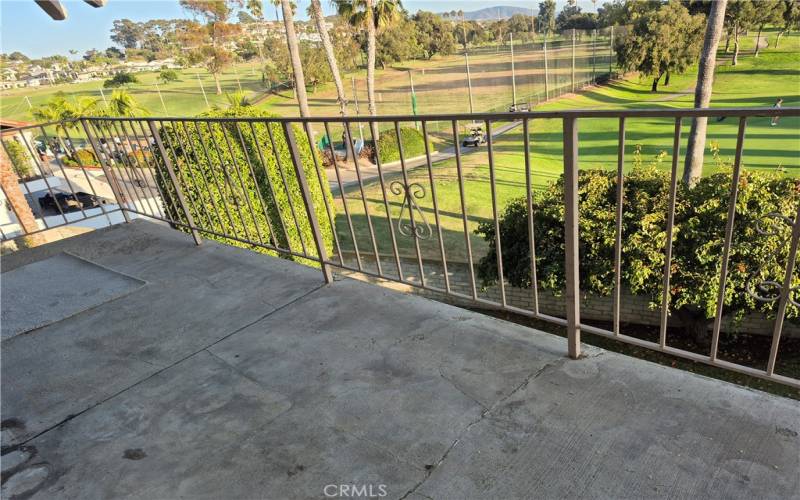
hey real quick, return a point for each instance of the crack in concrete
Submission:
(485, 413)
(462, 391)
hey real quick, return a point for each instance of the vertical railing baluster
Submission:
(726, 248)
(269, 183)
(526, 141)
(673, 191)
(210, 168)
(120, 199)
(139, 178)
(24, 184)
(89, 182)
(373, 129)
(435, 205)
(159, 176)
(467, 241)
(349, 146)
(64, 173)
(177, 165)
(117, 164)
(198, 191)
(245, 190)
(307, 200)
(495, 214)
(228, 182)
(175, 183)
(409, 195)
(571, 229)
(255, 180)
(276, 155)
(323, 181)
(786, 291)
(344, 198)
(38, 163)
(618, 219)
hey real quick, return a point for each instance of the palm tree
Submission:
(123, 104)
(237, 99)
(373, 15)
(315, 11)
(693, 166)
(294, 55)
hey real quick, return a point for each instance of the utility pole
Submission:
(611, 53)
(161, 98)
(513, 75)
(355, 100)
(203, 90)
(573, 60)
(469, 82)
(30, 106)
(546, 83)
(594, 66)
(413, 99)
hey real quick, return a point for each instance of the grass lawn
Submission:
(754, 82)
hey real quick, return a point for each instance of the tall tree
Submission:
(767, 12)
(791, 18)
(661, 42)
(547, 16)
(433, 35)
(738, 17)
(372, 15)
(319, 21)
(693, 166)
(209, 38)
(294, 56)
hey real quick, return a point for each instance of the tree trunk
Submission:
(319, 21)
(758, 41)
(735, 46)
(373, 110)
(216, 82)
(728, 43)
(666, 80)
(693, 166)
(778, 37)
(654, 88)
(294, 54)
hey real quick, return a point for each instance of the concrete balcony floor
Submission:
(215, 372)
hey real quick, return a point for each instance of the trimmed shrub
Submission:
(413, 144)
(19, 157)
(139, 157)
(699, 232)
(219, 188)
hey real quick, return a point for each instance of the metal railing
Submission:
(229, 178)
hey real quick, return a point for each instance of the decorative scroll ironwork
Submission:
(411, 227)
(769, 290)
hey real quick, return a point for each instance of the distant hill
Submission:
(499, 12)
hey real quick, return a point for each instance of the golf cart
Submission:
(519, 107)
(476, 137)
(67, 202)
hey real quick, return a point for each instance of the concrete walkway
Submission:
(231, 374)
(369, 171)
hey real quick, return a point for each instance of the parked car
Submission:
(476, 137)
(69, 202)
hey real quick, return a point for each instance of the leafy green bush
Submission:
(699, 233)
(120, 79)
(216, 179)
(82, 157)
(20, 158)
(413, 144)
(139, 157)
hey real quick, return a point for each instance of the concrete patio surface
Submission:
(231, 374)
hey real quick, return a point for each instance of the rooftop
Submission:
(136, 364)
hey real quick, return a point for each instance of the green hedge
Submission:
(699, 232)
(413, 144)
(19, 157)
(210, 187)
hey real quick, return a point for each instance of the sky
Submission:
(26, 28)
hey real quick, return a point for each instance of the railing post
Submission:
(571, 236)
(112, 181)
(303, 183)
(168, 164)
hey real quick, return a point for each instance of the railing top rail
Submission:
(504, 116)
(578, 113)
